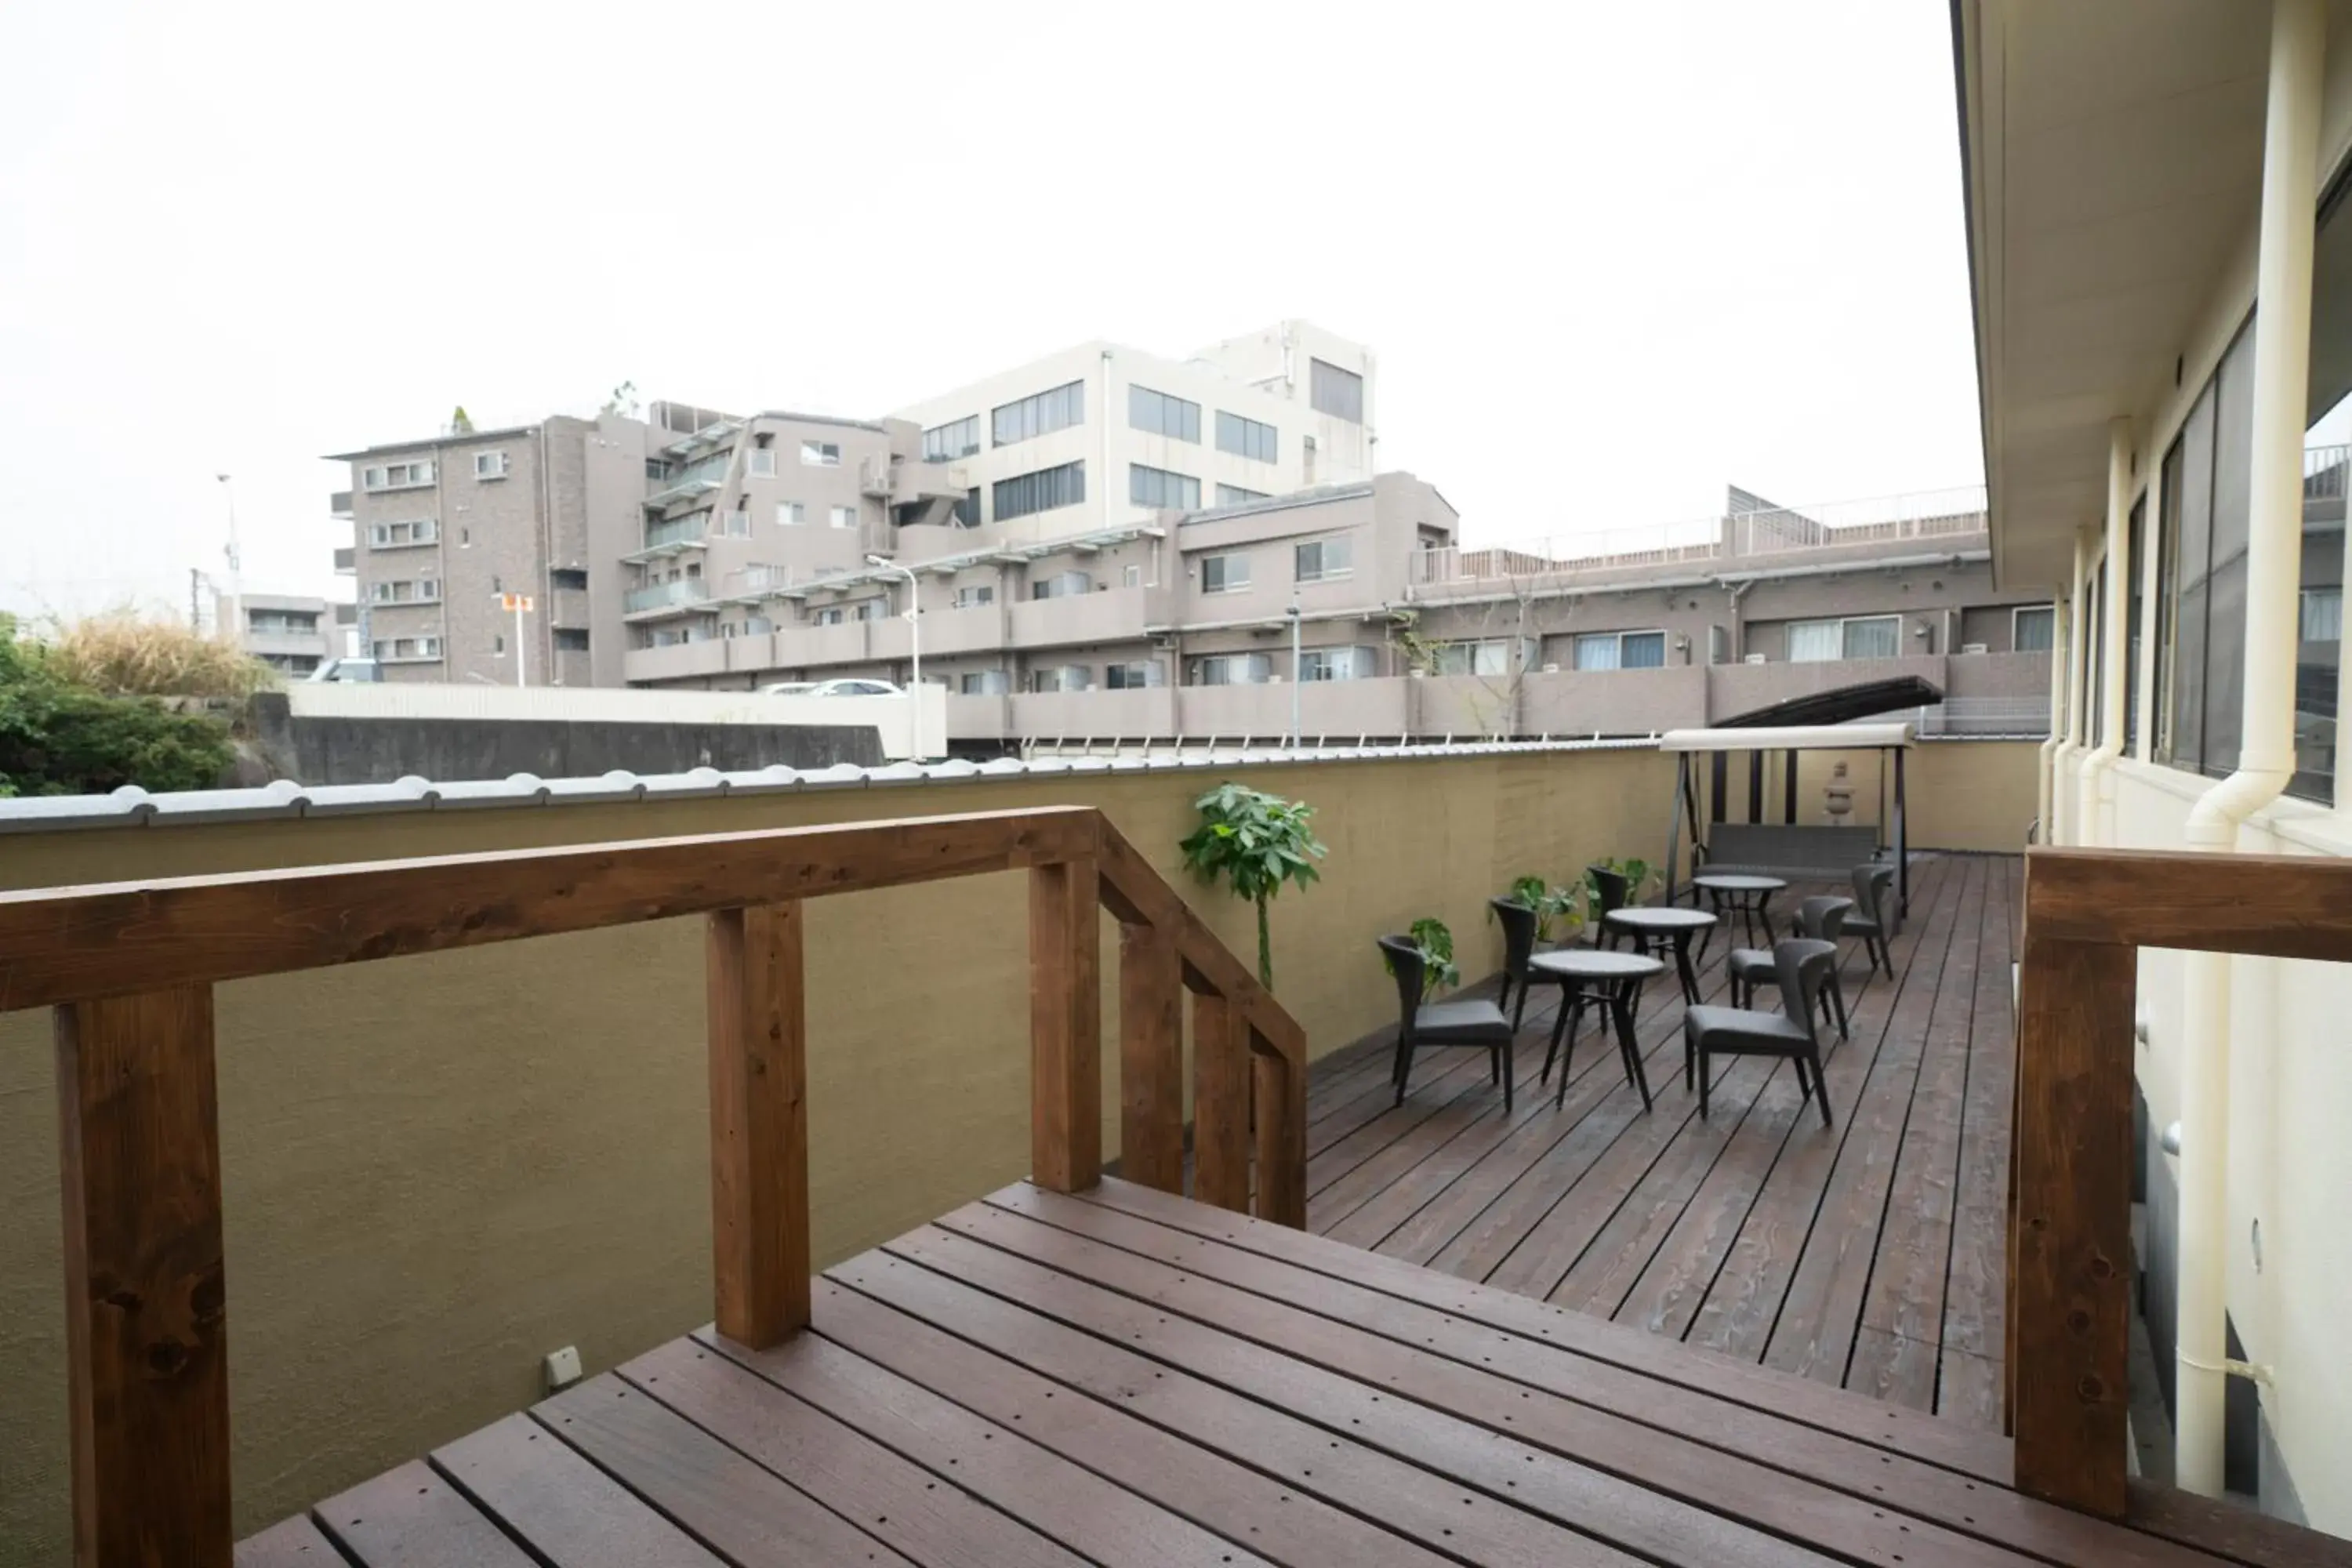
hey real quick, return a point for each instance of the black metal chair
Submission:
(1873, 917)
(1610, 891)
(1820, 918)
(1520, 931)
(1422, 1023)
(1804, 965)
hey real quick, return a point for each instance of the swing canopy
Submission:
(1787, 848)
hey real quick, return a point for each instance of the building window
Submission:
(2032, 628)
(396, 477)
(2206, 565)
(983, 683)
(831, 615)
(1131, 575)
(499, 646)
(946, 443)
(1232, 669)
(973, 598)
(1621, 650)
(1321, 560)
(791, 514)
(1337, 663)
(1486, 656)
(2321, 618)
(397, 535)
(1858, 637)
(1040, 415)
(561, 577)
(845, 517)
(393, 650)
(819, 453)
(657, 471)
(1158, 413)
(1225, 573)
(1336, 391)
(1135, 675)
(735, 524)
(572, 639)
(489, 465)
(967, 510)
(422, 591)
(1160, 488)
(1061, 586)
(1233, 495)
(1247, 438)
(1043, 491)
(762, 462)
(1061, 677)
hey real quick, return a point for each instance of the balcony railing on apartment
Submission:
(1931, 516)
(676, 531)
(683, 592)
(129, 973)
(2323, 470)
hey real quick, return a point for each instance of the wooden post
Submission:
(1150, 1059)
(759, 1122)
(1065, 1026)
(146, 1310)
(1281, 1134)
(2070, 1264)
(1221, 1095)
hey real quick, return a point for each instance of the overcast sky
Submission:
(1611, 257)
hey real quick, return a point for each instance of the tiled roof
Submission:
(132, 806)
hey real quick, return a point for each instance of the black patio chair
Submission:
(1820, 918)
(1520, 928)
(1610, 891)
(1804, 965)
(1422, 1024)
(1873, 917)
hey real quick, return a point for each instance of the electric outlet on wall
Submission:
(563, 1368)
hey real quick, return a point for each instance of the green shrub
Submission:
(58, 737)
(1253, 842)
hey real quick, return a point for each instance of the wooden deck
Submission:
(1869, 1256)
(1127, 1377)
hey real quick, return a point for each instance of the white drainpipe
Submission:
(2070, 744)
(2151, 514)
(2088, 826)
(2273, 561)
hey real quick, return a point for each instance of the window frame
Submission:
(1225, 584)
(1345, 543)
(1239, 436)
(1576, 650)
(2016, 612)
(1044, 487)
(1144, 478)
(842, 516)
(1844, 625)
(819, 453)
(1065, 404)
(1143, 401)
(498, 472)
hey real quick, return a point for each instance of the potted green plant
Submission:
(1637, 874)
(1436, 941)
(1558, 910)
(1253, 843)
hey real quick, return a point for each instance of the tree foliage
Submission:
(1253, 843)
(59, 736)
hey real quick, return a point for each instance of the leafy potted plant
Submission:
(1253, 842)
(1637, 874)
(1438, 971)
(1559, 911)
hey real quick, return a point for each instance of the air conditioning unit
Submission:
(1972, 648)
(1756, 658)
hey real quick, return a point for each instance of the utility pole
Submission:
(195, 613)
(1294, 670)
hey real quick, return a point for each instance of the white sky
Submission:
(1610, 257)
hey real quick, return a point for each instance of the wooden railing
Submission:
(2088, 913)
(130, 971)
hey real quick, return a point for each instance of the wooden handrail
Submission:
(2088, 913)
(128, 970)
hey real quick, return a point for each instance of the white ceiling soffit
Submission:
(2113, 153)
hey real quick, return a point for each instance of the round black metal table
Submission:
(1656, 927)
(1745, 894)
(1605, 979)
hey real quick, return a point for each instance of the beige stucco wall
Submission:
(437, 1169)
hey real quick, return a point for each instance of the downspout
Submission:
(2151, 527)
(2088, 827)
(2071, 742)
(2265, 763)
(2057, 738)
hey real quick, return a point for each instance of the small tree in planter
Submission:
(1253, 843)
(1438, 971)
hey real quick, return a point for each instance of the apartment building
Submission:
(1182, 624)
(290, 633)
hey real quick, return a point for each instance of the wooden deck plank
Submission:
(728, 1500)
(1911, 1432)
(1238, 1503)
(573, 1514)
(1361, 1167)
(1858, 1455)
(1889, 1366)
(1968, 1389)
(413, 1518)
(1689, 1269)
(1975, 1298)
(1776, 1248)
(1350, 1477)
(1510, 1479)
(1094, 1518)
(291, 1544)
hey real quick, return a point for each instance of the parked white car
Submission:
(844, 687)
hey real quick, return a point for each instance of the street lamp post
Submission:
(1296, 671)
(914, 648)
